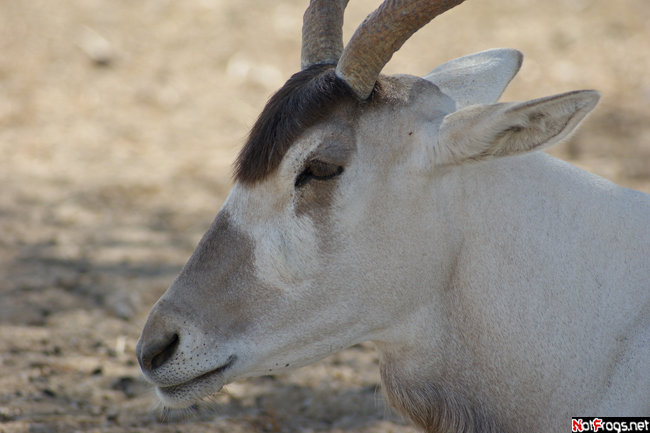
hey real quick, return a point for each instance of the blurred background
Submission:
(119, 121)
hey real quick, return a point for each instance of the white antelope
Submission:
(504, 290)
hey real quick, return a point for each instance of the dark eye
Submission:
(318, 170)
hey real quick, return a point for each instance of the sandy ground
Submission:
(118, 124)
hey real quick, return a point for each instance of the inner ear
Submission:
(487, 131)
(545, 122)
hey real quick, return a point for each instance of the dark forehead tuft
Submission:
(309, 97)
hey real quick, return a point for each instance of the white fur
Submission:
(504, 289)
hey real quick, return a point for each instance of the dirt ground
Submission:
(119, 120)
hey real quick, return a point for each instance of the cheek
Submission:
(287, 253)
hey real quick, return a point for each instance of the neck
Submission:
(433, 402)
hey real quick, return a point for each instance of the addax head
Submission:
(322, 241)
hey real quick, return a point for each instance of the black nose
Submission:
(159, 340)
(154, 354)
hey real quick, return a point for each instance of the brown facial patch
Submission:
(307, 99)
(218, 286)
(337, 147)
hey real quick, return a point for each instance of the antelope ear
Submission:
(478, 78)
(482, 132)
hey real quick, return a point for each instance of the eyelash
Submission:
(308, 173)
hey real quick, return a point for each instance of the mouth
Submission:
(187, 393)
(229, 362)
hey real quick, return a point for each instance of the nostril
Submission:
(164, 355)
(155, 354)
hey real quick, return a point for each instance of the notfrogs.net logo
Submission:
(609, 424)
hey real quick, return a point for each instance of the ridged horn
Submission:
(322, 33)
(380, 35)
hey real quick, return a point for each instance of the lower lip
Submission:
(206, 376)
(229, 362)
